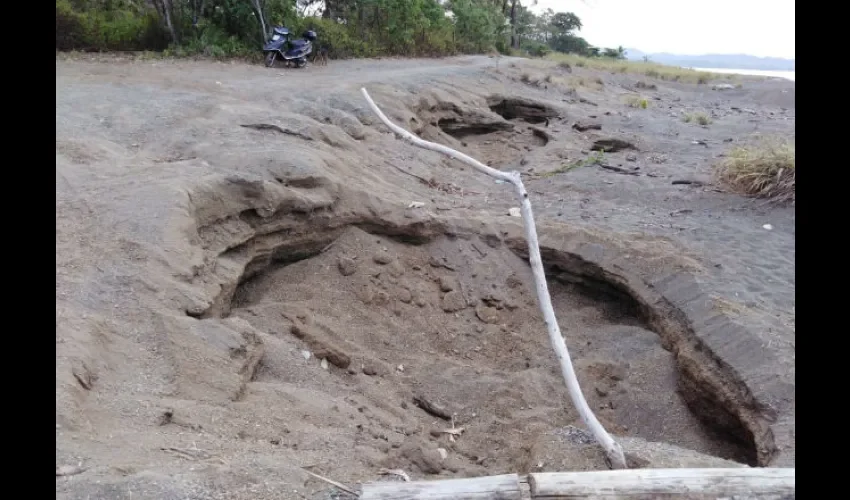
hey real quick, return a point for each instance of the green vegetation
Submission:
(636, 101)
(648, 69)
(108, 25)
(349, 28)
(764, 169)
(595, 158)
(646, 86)
(698, 117)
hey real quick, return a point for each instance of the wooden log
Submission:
(632, 484)
(505, 487)
(700, 484)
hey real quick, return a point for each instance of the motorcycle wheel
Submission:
(271, 58)
(300, 63)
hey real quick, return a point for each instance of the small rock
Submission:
(601, 391)
(436, 262)
(453, 301)
(486, 314)
(631, 157)
(514, 212)
(404, 295)
(369, 370)
(366, 293)
(347, 266)
(306, 354)
(513, 282)
(426, 460)
(448, 283)
(443, 453)
(722, 86)
(400, 368)
(382, 258)
(69, 470)
(381, 298)
(585, 126)
(768, 227)
(322, 347)
(324, 364)
(611, 145)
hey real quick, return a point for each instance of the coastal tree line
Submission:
(349, 28)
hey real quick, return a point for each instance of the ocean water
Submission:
(788, 75)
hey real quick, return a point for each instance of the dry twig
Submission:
(431, 408)
(332, 483)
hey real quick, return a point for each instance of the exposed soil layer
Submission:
(461, 311)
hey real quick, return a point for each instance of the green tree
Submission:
(350, 28)
(478, 24)
(565, 23)
(618, 53)
(562, 38)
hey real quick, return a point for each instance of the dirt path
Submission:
(204, 268)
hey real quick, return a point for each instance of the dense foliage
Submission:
(349, 28)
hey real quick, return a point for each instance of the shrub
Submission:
(213, 41)
(764, 169)
(70, 27)
(101, 30)
(536, 49)
(637, 102)
(699, 117)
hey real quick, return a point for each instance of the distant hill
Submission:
(731, 61)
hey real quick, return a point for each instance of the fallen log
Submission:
(504, 487)
(667, 483)
(628, 484)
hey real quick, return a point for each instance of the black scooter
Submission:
(291, 51)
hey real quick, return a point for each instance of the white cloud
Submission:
(757, 27)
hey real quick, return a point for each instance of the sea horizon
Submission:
(788, 75)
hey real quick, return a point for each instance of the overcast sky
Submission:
(763, 28)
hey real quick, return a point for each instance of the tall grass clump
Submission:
(764, 169)
(647, 69)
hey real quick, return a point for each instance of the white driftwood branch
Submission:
(612, 449)
(663, 483)
(744, 483)
(505, 487)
